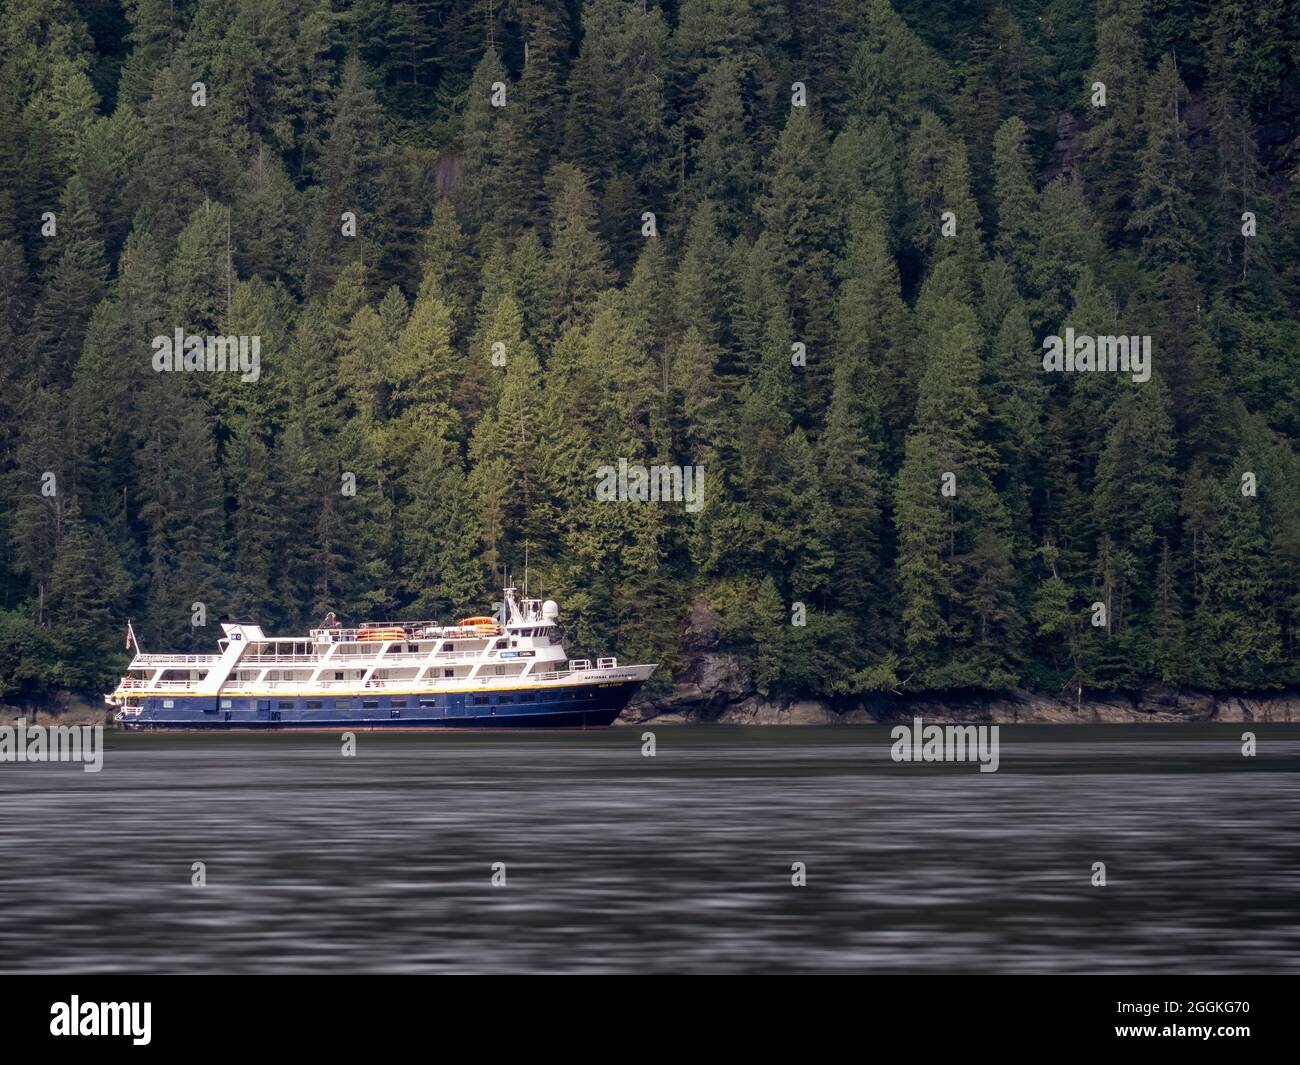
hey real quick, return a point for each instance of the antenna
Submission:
(525, 569)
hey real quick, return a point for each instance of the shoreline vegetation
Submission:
(858, 347)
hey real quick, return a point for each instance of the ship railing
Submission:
(354, 684)
(558, 674)
(411, 630)
(431, 684)
(275, 659)
(173, 660)
(411, 634)
(414, 630)
(578, 664)
(174, 685)
(434, 684)
(359, 661)
(355, 660)
(607, 663)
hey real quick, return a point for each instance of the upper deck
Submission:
(524, 648)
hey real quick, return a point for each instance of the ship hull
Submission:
(578, 706)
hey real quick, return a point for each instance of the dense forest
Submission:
(814, 247)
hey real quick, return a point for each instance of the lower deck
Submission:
(578, 706)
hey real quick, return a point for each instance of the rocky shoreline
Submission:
(714, 685)
(689, 704)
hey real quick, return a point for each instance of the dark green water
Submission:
(616, 862)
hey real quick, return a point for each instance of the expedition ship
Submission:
(482, 672)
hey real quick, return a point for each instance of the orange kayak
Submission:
(392, 633)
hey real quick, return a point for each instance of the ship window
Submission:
(369, 704)
(313, 704)
(398, 704)
(514, 643)
(168, 704)
(448, 672)
(480, 700)
(285, 706)
(505, 699)
(412, 648)
(338, 676)
(225, 704)
(428, 702)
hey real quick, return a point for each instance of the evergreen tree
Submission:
(579, 264)
(1162, 205)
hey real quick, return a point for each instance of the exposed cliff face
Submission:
(715, 685)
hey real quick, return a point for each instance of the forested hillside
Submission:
(607, 230)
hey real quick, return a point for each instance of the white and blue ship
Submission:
(508, 671)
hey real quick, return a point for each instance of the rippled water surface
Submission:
(681, 862)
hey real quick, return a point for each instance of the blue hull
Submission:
(585, 706)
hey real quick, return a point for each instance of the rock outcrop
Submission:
(714, 684)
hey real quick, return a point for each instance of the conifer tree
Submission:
(1162, 204)
(795, 209)
(579, 263)
(1115, 137)
(894, 72)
